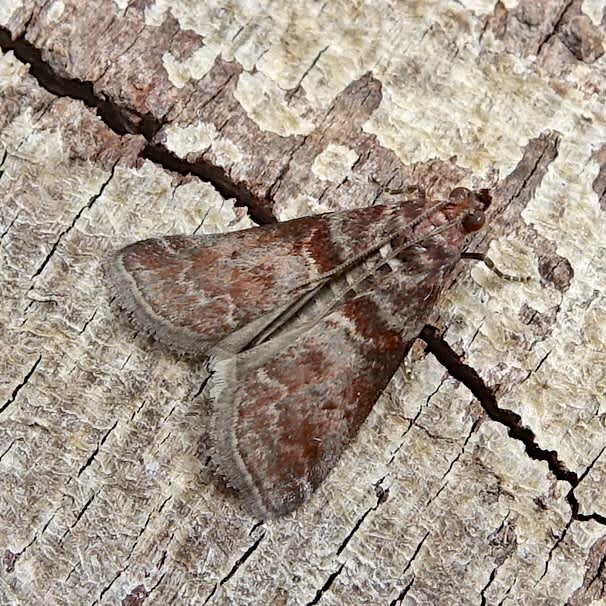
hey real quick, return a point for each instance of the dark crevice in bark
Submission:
(64, 232)
(327, 585)
(121, 120)
(586, 517)
(555, 30)
(92, 456)
(436, 495)
(596, 517)
(212, 174)
(381, 494)
(79, 516)
(412, 423)
(71, 572)
(491, 578)
(107, 587)
(12, 222)
(211, 594)
(21, 385)
(554, 548)
(87, 322)
(400, 599)
(406, 589)
(242, 560)
(513, 421)
(297, 87)
(7, 449)
(124, 120)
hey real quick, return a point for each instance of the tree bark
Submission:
(479, 476)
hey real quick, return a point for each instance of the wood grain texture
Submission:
(141, 119)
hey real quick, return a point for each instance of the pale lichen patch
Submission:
(7, 9)
(201, 137)
(183, 140)
(231, 32)
(334, 163)
(55, 11)
(193, 68)
(594, 9)
(300, 206)
(502, 92)
(227, 218)
(144, 202)
(263, 101)
(226, 151)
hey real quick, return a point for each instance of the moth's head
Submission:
(470, 205)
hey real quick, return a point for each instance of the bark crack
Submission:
(402, 594)
(242, 559)
(571, 497)
(64, 232)
(555, 29)
(79, 516)
(491, 578)
(556, 544)
(118, 119)
(124, 120)
(399, 599)
(20, 386)
(516, 429)
(413, 421)
(381, 495)
(7, 449)
(297, 87)
(95, 452)
(470, 378)
(329, 581)
(107, 587)
(472, 430)
(9, 226)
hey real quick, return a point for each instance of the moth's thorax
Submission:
(464, 209)
(468, 206)
(436, 242)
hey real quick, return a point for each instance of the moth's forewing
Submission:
(190, 292)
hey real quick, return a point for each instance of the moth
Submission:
(303, 322)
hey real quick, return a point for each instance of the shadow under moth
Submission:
(303, 322)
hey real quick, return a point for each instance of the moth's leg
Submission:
(490, 264)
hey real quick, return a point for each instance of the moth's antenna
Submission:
(490, 264)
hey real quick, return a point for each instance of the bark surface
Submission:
(479, 476)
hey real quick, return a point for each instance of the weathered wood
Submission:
(442, 499)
